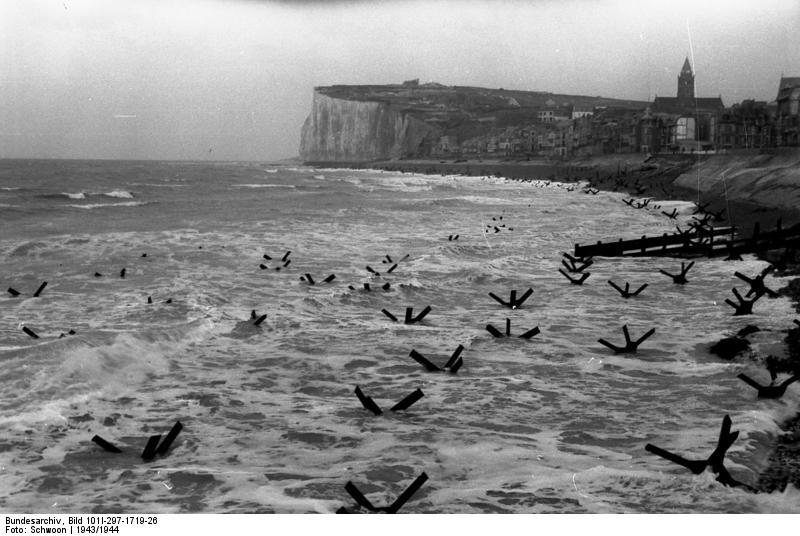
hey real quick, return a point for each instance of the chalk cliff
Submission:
(380, 122)
(341, 130)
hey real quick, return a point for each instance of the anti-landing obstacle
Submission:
(756, 283)
(671, 215)
(152, 447)
(513, 302)
(310, 280)
(715, 461)
(452, 365)
(409, 318)
(630, 346)
(393, 508)
(497, 334)
(680, 278)
(30, 332)
(105, 445)
(771, 390)
(404, 404)
(572, 266)
(626, 293)
(40, 289)
(584, 276)
(744, 307)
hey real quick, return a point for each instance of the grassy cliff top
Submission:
(433, 96)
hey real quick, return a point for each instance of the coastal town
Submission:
(686, 123)
(413, 120)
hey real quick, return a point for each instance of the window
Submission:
(685, 128)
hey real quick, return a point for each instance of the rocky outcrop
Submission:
(340, 130)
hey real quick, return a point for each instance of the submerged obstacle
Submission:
(28, 331)
(285, 260)
(257, 320)
(409, 318)
(715, 461)
(671, 215)
(153, 447)
(572, 266)
(497, 334)
(513, 302)
(368, 288)
(105, 445)
(404, 404)
(680, 278)
(626, 293)
(452, 365)
(40, 289)
(584, 276)
(630, 345)
(771, 390)
(756, 283)
(393, 508)
(310, 280)
(744, 307)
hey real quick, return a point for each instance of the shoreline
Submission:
(655, 177)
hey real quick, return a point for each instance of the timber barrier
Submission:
(714, 242)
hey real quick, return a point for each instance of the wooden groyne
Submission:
(715, 242)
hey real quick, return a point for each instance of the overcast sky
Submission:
(233, 79)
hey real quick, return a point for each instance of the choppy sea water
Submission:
(554, 424)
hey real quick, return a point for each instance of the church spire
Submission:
(687, 67)
(686, 83)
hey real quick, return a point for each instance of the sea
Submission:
(557, 423)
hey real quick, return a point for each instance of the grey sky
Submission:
(227, 79)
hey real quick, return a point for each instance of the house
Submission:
(747, 125)
(788, 111)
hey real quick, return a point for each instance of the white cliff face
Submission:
(339, 130)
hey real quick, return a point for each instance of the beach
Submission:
(643, 177)
(270, 420)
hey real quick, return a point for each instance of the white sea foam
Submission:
(122, 194)
(290, 186)
(105, 205)
(78, 195)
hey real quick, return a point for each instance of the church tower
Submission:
(686, 83)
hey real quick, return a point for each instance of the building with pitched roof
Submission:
(685, 122)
